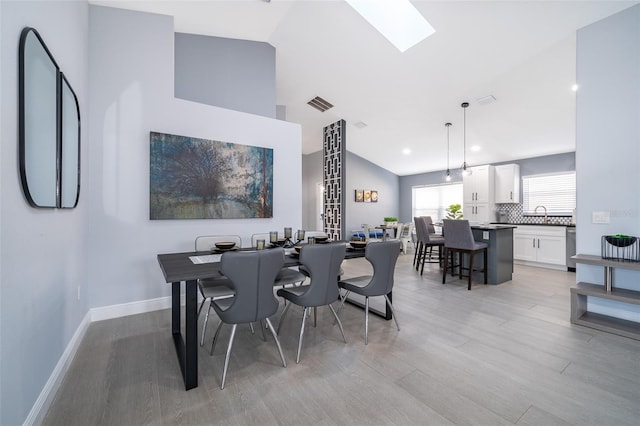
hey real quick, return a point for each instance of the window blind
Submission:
(434, 200)
(556, 192)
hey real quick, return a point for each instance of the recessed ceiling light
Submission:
(574, 87)
(475, 148)
(399, 21)
(406, 151)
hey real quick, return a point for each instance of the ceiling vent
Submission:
(360, 124)
(486, 100)
(320, 104)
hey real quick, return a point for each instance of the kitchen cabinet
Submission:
(540, 246)
(478, 194)
(507, 183)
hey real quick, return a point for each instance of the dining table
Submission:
(188, 268)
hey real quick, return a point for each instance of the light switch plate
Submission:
(600, 217)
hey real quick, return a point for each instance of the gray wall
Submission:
(607, 135)
(234, 74)
(107, 247)
(361, 174)
(42, 251)
(528, 166)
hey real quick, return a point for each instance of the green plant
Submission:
(454, 211)
(390, 219)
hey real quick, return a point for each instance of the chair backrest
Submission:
(323, 263)
(430, 228)
(208, 242)
(422, 229)
(252, 275)
(405, 233)
(383, 257)
(457, 234)
(314, 234)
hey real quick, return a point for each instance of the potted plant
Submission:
(390, 221)
(454, 211)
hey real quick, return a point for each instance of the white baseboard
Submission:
(41, 406)
(132, 308)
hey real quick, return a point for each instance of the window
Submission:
(434, 200)
(556, 192)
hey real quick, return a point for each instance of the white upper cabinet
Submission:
(507, 183)
(478, 186)
(478, 189)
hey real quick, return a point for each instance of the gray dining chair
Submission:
(383, 257)
(323, 263)
(252, 275)
(213, 288)
(287, 276)
(458, 238)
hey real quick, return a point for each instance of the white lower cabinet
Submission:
(540, 245)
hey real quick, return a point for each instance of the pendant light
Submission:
(465, 172)
(448, 175)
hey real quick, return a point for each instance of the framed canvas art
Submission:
(192, 178)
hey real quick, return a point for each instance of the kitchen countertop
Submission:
(494, 226)
(533, 224)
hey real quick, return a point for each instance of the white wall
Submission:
(131, 76)
(43, 260)
(607, 148)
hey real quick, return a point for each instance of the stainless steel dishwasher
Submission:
(571, 248)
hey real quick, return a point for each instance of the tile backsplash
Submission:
(515, 215)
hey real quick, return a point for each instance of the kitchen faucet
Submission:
(535, 211)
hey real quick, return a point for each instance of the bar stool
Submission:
(458, 238)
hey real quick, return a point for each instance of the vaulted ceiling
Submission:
(523, 53)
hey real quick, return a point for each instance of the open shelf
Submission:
(579, 294)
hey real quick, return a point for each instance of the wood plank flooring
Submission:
(495, 355)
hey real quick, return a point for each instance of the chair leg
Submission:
(366, 320)
(470, 269)
(275, 337)
(264, 336)
(215, 337)
(251, 327)
(333, 311)
(304, 317)
(226, 358)
(204, 326)
(201, 305)
(446, 262)
(393, 313)
(315, 316)
(284, 313)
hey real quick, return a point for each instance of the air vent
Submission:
(360, 124)
(485, 100)
(320, 104)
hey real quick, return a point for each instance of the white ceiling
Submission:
(521, 52)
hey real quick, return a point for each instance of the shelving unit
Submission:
(579, 294)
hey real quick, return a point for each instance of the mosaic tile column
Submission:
(334, 156)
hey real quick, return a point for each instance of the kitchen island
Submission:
(499, 253)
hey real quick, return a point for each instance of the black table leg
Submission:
(187, 352)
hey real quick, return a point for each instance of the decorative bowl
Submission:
(225, 245)
(620, 240)
(297, 248)
(358, 244)
(321, 238)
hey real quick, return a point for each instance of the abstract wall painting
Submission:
(192, 178)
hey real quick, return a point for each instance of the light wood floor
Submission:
(494, 355)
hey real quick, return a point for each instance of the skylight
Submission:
(398, 20)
